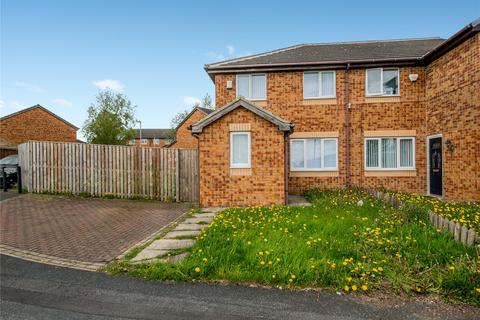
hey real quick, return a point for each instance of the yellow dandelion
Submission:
(354, 288)
(197, 269)
(364, 287)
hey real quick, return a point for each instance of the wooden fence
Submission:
(105, 170)
(460, 232)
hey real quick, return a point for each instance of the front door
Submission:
(436, 165)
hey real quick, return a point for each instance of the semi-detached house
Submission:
(398, 114)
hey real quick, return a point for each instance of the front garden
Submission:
(347, 242)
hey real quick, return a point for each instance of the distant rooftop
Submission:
(152, 133)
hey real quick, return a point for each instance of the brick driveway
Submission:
(91, 230)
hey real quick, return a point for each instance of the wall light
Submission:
(413, 77)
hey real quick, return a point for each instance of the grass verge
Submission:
(347, 241)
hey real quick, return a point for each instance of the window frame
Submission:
(250, 85)
(322, 155)
(320, 85)
(382, 94)
(247, 165)
(144, 141)
(379, 168)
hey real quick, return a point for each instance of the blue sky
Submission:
(59, 53)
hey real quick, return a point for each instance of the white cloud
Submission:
(17, 105)
(29, 86)
(109, 84)
(62, 102)
(215, 56)
(190, 101)
(230, 50)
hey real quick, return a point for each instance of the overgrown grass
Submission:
(467, 213)
(347, 241)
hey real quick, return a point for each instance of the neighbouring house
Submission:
(398, 114)
(34, 123)
(152, 138)
(183, 135)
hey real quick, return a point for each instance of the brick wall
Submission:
(453, 109)
(150, 143)
(36, 124)
(184, 138)
(264, 184)
(285, 99)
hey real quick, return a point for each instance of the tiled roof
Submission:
(339, 52)
(152, 133)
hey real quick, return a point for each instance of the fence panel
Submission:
(106, 170)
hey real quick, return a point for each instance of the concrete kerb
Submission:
(47, 259)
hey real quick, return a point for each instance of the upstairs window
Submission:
(389, 153)
(240, 153)
(144, 141)
(252, 86)
(156, 141)
(382, 82)
(131, 142)
(314, 154)
(318, 85)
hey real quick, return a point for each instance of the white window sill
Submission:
(319, 98)
(314, 170)
(390, 169)
(381, 95)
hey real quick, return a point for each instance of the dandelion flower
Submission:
(365, 287)
(197, 269)
(354, 288)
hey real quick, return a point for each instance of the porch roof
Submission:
(283, 125)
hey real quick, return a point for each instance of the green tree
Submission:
(180, 116)
(207, 102)
(110, 119)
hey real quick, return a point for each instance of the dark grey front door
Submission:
(436, 166)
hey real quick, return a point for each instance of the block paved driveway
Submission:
(90, 230)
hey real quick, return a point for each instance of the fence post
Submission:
(177, 176)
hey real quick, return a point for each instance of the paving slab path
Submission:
(164, 249)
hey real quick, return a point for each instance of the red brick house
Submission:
(183, 135)
(151, 138)
(34, 123)
(399, 114)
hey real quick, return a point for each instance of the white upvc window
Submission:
(390, 153)
(252, 86)
(314, 154)
(144, 141)
(156, 141)
(131, 142)
(240, 150)
(318, 85)
(382, 82)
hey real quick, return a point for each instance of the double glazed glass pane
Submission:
(372, 153)
(298, 160)
(328, 85)
(389, 153)
(406, 153)
(314, 147)
(374, 78)
(240, 149)
(258, 87)
(329, 153)
(390, 81)
(243, 86)
(311, 86)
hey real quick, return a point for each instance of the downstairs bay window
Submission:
(314, 154)
(390, 153)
